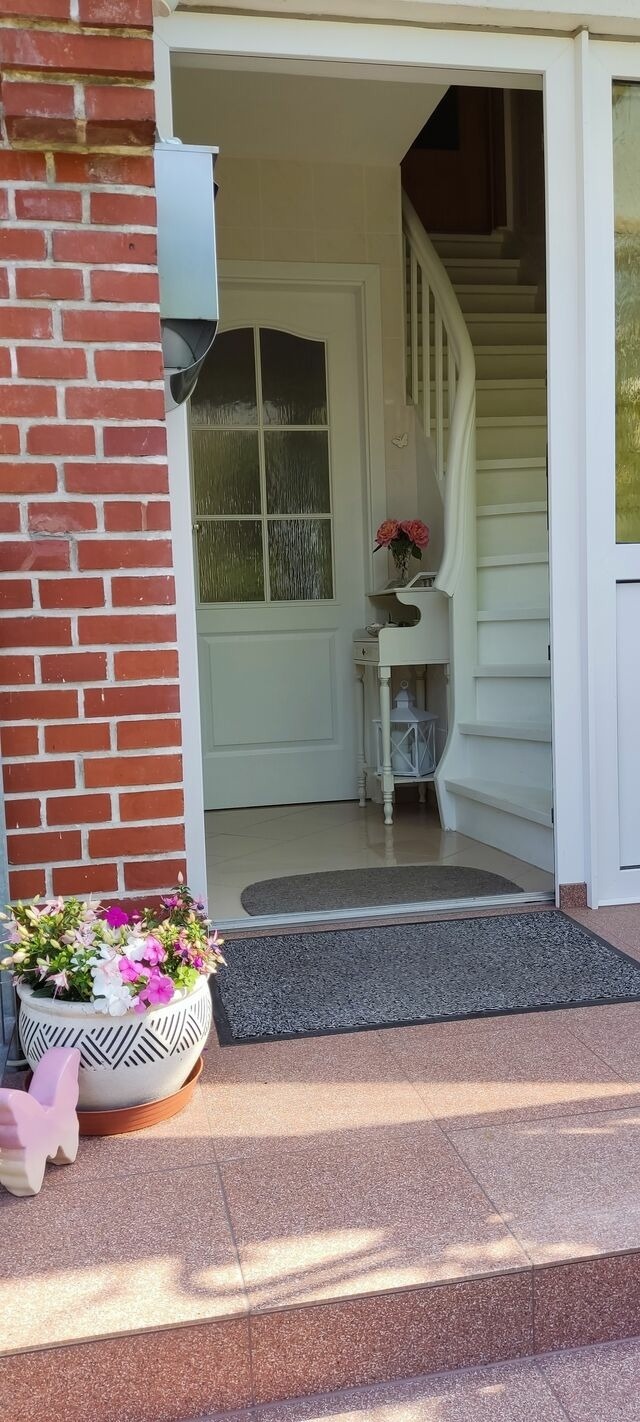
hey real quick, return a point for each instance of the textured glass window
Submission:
(226, 471)
(626, 167)
(297, 471)
(300, 559)
(256, 486)
(226, 389)
(230, 560)
(294, 380)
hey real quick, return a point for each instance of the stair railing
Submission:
(440, 359)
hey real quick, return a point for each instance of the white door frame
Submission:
(480, 57)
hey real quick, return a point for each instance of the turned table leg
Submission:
(362, 746)
(384, 680)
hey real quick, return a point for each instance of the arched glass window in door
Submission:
(261, 470)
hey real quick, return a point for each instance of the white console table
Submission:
(422, 643)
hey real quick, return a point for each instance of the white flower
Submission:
(110, 993)
(136, 946)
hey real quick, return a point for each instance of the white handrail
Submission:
(447, 357)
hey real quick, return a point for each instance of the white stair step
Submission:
(513, 533)
(499, 480)
(475, 270)
(494, 360)
(508, 730)
(514, 614)
(528, 802)
(503, 642)
(515, 436)
(507, 671)
(496, 298)
(452, 244)
(513, 560)
(504, 510)
(513, 584)
(506, 329)
(519, 398)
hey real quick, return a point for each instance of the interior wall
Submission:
(286, 211)
(527, 144)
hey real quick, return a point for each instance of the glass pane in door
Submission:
(300, 559)
(226, 471)
(294, 380)
(626, 167)
(230, 560)
(297, 471)
(226, 389)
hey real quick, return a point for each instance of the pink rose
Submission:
(387, 532)
(416, 531)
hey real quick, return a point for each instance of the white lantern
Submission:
(413, 738)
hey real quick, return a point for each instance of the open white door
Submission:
(277, 490)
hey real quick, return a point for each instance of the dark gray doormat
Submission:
(366, 888)
(342, 980)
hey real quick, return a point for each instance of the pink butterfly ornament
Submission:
(40, 1124)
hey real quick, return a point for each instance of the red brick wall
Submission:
(90, 700)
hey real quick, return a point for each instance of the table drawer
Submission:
(368, 650)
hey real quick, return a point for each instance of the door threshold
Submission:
(383, 913)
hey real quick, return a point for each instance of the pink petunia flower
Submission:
(129, 971)
(116, 917)
(153, 953)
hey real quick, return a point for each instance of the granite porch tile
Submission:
(78, 1263)
(511, 1392)
(597, 1383)
(619, 924)
(586, 1301)
(567, 1187)
(612, 1033)
(182, 1141)
(502, 1069)
(161, 1377)
(392, 1212)
(328, 1346)
(281, 1096)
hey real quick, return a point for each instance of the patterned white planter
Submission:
(125, 1061)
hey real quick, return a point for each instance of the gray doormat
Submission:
(343, 980)
(366, 888)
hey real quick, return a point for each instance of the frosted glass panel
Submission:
(297, 471)
(294, 381)
(226, 471)
(626, 164)
(226, 389)
(230, 561)
(300, 559)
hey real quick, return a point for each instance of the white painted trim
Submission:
(465, 54)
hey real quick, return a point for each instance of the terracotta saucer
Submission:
(137, 1118)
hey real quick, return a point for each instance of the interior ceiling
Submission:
(305, 117)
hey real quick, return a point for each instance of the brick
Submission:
(47, 847)
(99, 478)
(45, 363)
(132, 770)
(103, 248)
(48, 283)
(19, 244)
(37, 632)
(72, 592)
(35, 555)
(40, 9)
(78, 809)
(150, 666)
(26, 478)
(148, 805)
(120, 842)
(61, 439)
(67, 739)
(102, 168)
(137, 441)
(121, 403)
(16, 670)
(46, 205)
(129, 365)
(149, 734)
(23, 814)
(61, 518)
(39, 100)
(23, 400)
(131, 288)
(9, 518)
(26, 883)
(19, 740)
(71, 52)
(38, 705)
(140, 592)
(26, 323)
(132, 14)
(39, 775)
(74, 666)
(111, 629)
(124, 209)
(5, 354)
(9, 439)
(124, 553)
(153, 873)
(15, 593)
(158, 517)
(118, 326)
(86, 879)
(131, 700)
(123, 517)
(4, 284)
(22, 167)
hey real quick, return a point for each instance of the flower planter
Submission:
(126, 1060)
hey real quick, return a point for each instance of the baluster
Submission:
(439, 377)
(451, 381)
(415, 377)
(407, 316)
(426, 356)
